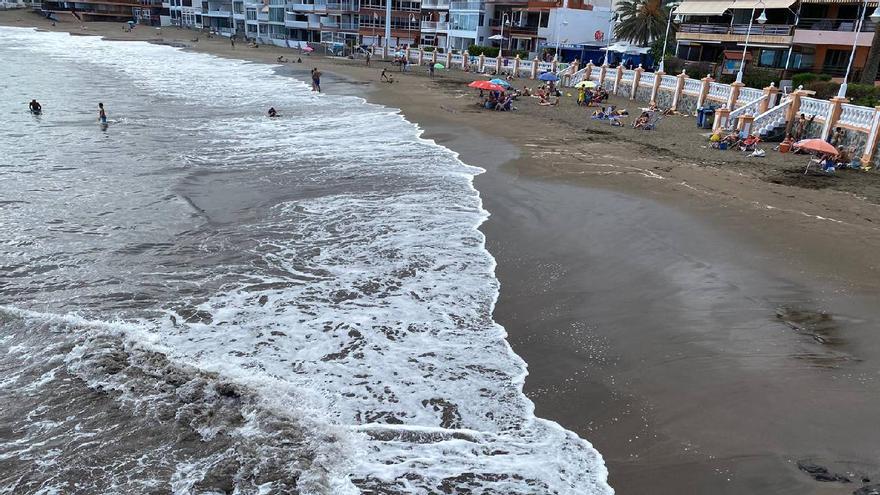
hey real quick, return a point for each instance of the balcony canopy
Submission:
(765, 4)
(703, 7)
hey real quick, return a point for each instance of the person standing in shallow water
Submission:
(316, 80)
(102, 115)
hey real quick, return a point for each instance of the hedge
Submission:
(492, 52)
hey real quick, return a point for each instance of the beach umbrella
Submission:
(548, 76)
(585, 84)
(488, 86)
(817, 145)
(308, 49)
(500, 82)
(439, 66)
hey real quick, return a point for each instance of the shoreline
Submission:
(555, 225)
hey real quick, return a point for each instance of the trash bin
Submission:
(705, 117)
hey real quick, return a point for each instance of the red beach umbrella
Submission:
(818, 145)
(488, 86)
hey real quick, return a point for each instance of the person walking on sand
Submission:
(368, 58)
(316, 80)
(102, 115)
(232, 41)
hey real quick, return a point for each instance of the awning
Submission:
(871, 3)
(766, 4)
(736, 55)
(703, 7)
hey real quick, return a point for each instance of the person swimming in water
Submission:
(102, 115)
(35, 107)
(272, 112)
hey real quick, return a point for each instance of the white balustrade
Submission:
(597, 72)
(628, 76)
(772, 117)
(610, 74)
(719, 92)
(577, 77)
(647, 79)
(693, 86)
(813, 106)
(856, 116)
(749, 109)
(669, 82)
(456, 59)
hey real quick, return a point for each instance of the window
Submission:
(251, 14)
(836, 60)
(772, 58)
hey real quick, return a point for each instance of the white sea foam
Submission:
(364, 309)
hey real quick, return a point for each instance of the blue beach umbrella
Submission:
(548, 76)
(500, 82)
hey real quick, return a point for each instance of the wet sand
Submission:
(704, 327)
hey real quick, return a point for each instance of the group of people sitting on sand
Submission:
(501, 101)
(587, 96)
(734, 140)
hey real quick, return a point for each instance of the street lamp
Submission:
(501, 41)
(559, 36)
(412, 19)
(608, 41)
(875, 16)
(666, 38)
(761, 20)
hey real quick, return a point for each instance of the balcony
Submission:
(434, 27)
(218, 13)
(435, 4)
(514, 28)
(761, 33)
(467, 5)
(338, 26)
(343, 6)
(832, 32)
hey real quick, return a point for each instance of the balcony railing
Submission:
(432, 26)
(466, 5)
(351, 6)
(435, 4)
(843, 25)
(737, 29)
(342, 26)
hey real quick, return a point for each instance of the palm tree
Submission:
(641, 21)
(870, 72)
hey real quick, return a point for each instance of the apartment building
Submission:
(140, 11)
(805, 35)
(185, 13)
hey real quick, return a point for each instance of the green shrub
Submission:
(428, 49)
(824, 89)
(804, 79)
(759, 77)
(866, 95)
(489, 51)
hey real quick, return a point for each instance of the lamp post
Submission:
(875, 16)
(501, 41)
(559, 36)
(608, 41)
(761, 20)
(412, 19)
(666, 38)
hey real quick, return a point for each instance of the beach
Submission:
(703, 322)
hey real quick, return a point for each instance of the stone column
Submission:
(516, 62)
(721, 116)
(744, 124)
(770, 92)
(449, 59)
(658, 80)
(554, 63)
(602, 71)
(465, 60)
(637, 76)
(434, 56)
(873, 138)
(498, 62)
(794, 107)
(535, 68)
(588, 71)
(617, 78)
(421, 58)
(704, 90)
(679, 88)
(481, 63)
(833, 114)
(734, 94)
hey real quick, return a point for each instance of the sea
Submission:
(196, 298)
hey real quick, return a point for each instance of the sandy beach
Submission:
(707, 320)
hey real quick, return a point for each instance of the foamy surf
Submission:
(323, 308)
